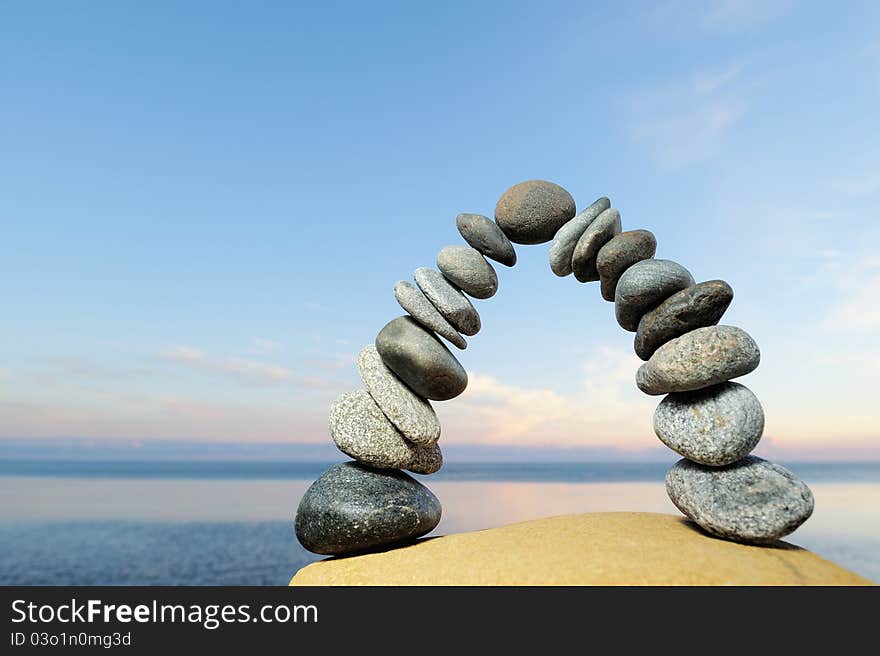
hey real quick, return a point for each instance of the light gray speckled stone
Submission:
(620, 254)
(449, 301)
(484, 234)
(531, 212)
(412, 415)
(420, 360)
(645, 285)
(714, 426)
(422, 310)
(597, 234)
(694, 307)
(700, 358)
(352, 508)
(360, 430)
(566, 238)
(467, 269)
(752, 500)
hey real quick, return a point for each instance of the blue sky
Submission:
(205, 206)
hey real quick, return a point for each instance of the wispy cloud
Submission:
(863, 183)
(241, 369)
(858, 311)
(686, 121)
(736, 15)
(261, 345)
(604, 408)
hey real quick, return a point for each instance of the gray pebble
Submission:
(412, 415)
(420, 360)
(645, 285)
(449, 301)
(597, 234)
(531, 212)
(360, 430)
(714, 426)
(700, 358)
(694, 307)
(620, 254)
(467, 269)
(422, 310)
(353, 508)
(752, 500)
(566, 238)
(484, 234)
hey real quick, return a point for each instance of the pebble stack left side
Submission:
(390, 425)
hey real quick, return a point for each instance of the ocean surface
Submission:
(230, 523)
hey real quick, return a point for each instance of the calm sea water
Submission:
(229, 523)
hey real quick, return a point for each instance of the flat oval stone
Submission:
(449, 301)
(566, 238)
(620, 254)
(420, 360)
(752, 500)
(422, 310)
(700, 358)
(412, 415)
(645, 285)
(352, 508)
(361, 430)
(484, 234)
(597, 234)
(713, 426)
(531, 212)
(467, 269)
(694, 307)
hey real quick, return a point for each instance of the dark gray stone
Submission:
(467, 269)
(361, 430)
(645, 285)
(484, 234)
(694, 307)
(597, 234)
(422, 310)
(531, 212)
(449, 301)
(698, 359)
(714, 426)
(353, 508)
(751, 500)
(566, 238)
(420, 360)
(412, 415)
(620, 254)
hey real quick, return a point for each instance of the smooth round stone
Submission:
(361, 430)
(645, 285)
(620, 254)
(484, 234)
(467, 269)
(420, 360)
(449, 302)
(531, 212)
(597, 234)
(714, 426)
(566, 238)
(752, 500)
(694, 307)
(700, 358)
(412, 415)
(352, 508)
(422, 310)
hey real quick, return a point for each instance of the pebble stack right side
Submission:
(712, 422)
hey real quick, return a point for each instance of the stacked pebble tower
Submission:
(712, 422)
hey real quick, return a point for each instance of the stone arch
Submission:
(712, 422)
